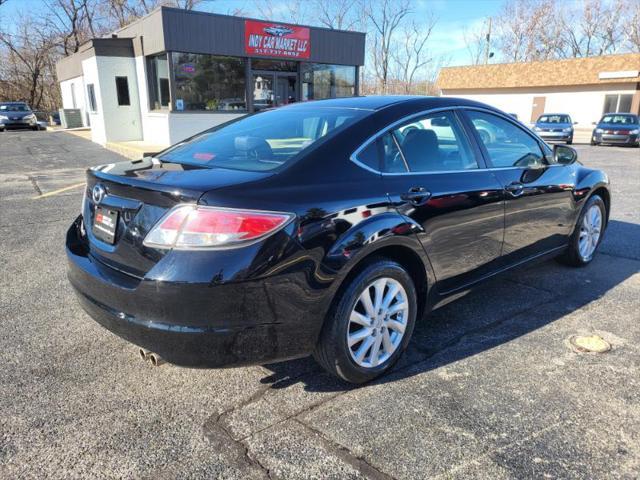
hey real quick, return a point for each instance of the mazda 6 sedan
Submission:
(325, 228)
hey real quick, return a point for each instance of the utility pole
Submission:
(487, 46)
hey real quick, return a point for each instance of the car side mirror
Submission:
(593, 123)
(575, 123)
(564, 155)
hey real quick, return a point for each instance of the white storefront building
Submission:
(585, 88)
(174, 73)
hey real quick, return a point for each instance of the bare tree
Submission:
(411, 54)
(385, 17)
(27, 57)
(475, 39)
(293, 11)
(72, 21)
(528, 30)
(632, 27)
(337, 14)
(531, 30)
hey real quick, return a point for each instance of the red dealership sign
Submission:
(276, 40)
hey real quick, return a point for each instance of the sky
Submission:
(446, 40)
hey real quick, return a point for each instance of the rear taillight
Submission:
(193, 227)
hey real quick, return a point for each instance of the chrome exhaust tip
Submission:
(156, 360)
(144, 354)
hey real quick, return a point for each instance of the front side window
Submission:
(122, 91)
(209, 83)
(158, 77)
(507, 144)
(263, 141)
(321, 81)
(91, 94)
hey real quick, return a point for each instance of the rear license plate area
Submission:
(105, 223)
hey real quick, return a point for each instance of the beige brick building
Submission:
(585, 88)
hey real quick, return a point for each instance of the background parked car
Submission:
(17, 115)
(555, 127)
(43, 119)
(618, 129)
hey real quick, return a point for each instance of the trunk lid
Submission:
(136, 194)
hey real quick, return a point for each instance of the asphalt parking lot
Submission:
(488, 389)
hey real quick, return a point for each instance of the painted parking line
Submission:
(60, 190)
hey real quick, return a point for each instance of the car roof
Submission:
(378, 102)
(552, 114)
(13, 103)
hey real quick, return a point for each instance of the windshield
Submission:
(263, 141)
(554, 119)
(14, 107)
(620, 119)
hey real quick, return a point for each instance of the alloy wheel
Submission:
(377, 322)
(590, 232)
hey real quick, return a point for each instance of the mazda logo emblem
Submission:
(97, 193)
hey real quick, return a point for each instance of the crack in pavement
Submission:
(33, 181)
(220, 437)
(343, 453)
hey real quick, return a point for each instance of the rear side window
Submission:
(369, 156)
(122, 90)
(434, 143)
(507, 144)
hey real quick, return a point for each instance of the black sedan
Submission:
(617, 129)
(17, 115)
(325, 228)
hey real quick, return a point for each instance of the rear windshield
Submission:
(263, 141)
(13, 107)
(620, 119)
(554, 119)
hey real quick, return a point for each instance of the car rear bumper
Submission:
(194, 325)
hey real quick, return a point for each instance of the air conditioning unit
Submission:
(71, 117)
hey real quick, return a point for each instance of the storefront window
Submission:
(158, 74)
(208, 83)
(276, 65)
(327, 81)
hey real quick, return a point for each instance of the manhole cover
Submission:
(589, 344)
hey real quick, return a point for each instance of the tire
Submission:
(333, 351)
(569, 142)
(35, 129)
(573, 256)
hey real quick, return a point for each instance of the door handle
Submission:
(515, 189)
(416, 195)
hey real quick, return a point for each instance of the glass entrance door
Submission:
(273, 89)
(286, 91)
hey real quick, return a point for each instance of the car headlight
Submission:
(635, 132)
(31, 117)
(4, 117)
(536, 129)
(567, 130)
(599, 130)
